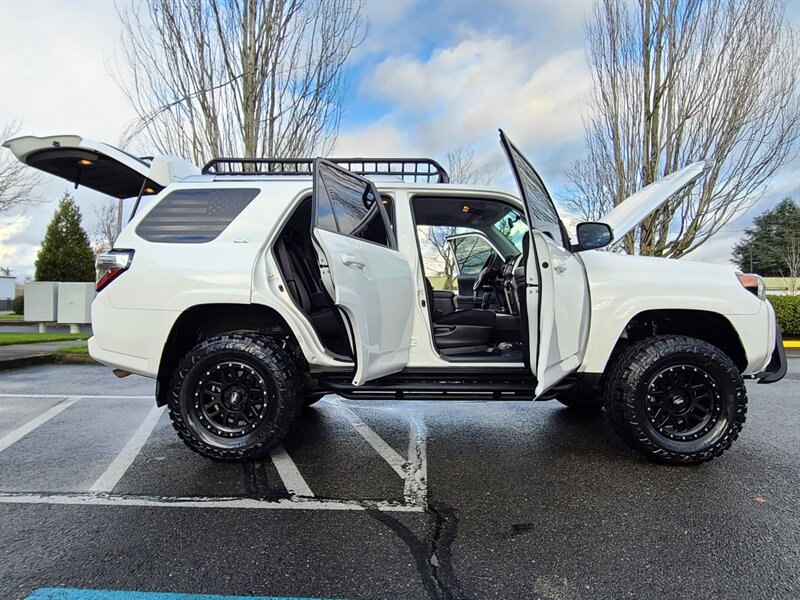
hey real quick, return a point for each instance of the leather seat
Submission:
(298, 264)
(463, 329)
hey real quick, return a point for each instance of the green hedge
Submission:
(18, 305)
(787, 310)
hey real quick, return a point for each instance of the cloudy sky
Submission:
(431, 76)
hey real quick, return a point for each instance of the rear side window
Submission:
(194, 216)
(347, 204)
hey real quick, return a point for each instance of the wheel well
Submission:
(207, 320)
(707, 326)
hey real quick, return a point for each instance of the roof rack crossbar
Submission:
(414, 170)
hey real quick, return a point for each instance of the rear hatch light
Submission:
(111, 265)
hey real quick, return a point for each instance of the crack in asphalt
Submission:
(432, 557)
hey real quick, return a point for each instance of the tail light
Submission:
(753, 284)
(111, 265)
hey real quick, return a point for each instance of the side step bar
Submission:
(422, 385)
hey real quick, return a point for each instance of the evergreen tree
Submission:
(766, 243)
(65, 254)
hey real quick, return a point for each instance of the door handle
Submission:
(353, 261)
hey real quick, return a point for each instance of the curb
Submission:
(26, 361)
(791, 343)
(46, 359)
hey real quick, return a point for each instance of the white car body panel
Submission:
(134, 316)
(623, 286)
(637, 207)
(373, 286)
(563, 309)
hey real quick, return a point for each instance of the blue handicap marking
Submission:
(76, 594)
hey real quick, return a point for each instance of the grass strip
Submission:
(9, 339)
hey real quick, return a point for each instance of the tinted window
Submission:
(471, 253)
(194, 216)
(540, 206)
(347, 204)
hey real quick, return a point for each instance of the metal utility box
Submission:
(41, 301)
(75, 302)
(8, 286)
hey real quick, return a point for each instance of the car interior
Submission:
(480, 322)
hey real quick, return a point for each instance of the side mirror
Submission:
(593, 235)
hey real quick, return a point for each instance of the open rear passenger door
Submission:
(557, 294)
(372, 282)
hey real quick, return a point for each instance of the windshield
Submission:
(512, 227)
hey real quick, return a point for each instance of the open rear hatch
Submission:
(95, 165)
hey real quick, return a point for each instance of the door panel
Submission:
(558, 309)
(372, 282)
(373, 288)
(562, 294)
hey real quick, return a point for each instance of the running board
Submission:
(422, 385)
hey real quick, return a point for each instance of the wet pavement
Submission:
(387, 500)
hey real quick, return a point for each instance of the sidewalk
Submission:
(25, 355)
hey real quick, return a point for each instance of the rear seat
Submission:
(300, 270)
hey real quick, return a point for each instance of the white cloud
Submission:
(54, 79)
(462, 93)
(53, 60)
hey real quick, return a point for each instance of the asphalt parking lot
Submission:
(387, 500)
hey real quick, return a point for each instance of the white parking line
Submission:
(117, 468)
(198, 502)
(20, 432)
(292, 479)
(397, 462)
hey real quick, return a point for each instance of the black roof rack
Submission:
(413, 170)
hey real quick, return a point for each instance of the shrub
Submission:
(18, 304)
(787, 311)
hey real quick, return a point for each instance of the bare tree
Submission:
(791, 260)
(462, 169)
(17, 181)
(677, 81)
(106, 227)
(246, 78)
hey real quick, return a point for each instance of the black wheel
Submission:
(235, 396)
(583, 401)
(676, 399)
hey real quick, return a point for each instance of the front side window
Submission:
(540, 206)
(471, 252)
(194, 216)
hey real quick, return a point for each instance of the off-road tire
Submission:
(260, 363)
(668, 372)
(585, 402)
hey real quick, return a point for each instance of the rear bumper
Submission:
(776, 368)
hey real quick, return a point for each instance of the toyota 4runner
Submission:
(251, 288)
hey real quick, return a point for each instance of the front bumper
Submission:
(776, 369)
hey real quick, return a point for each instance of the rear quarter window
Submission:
(194, 216)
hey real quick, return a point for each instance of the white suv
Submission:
(252, 287)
